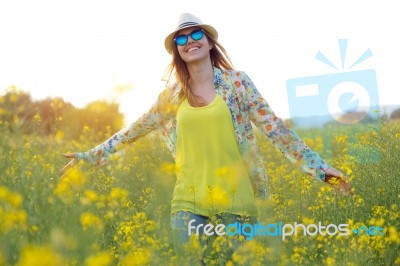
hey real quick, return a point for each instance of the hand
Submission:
(338, 181)
(70, 164)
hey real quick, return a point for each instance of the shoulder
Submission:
(169, 92)
(232, 73)
(234, 76)
(166, 98)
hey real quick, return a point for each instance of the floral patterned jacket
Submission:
(246, 106)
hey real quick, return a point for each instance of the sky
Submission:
(114, 50)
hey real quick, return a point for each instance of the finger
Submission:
(336, 190)
(69, 155)
(345, 188)
(345, 183)
(348, 187)
(68, 166)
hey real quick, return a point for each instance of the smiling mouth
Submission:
(193, 49)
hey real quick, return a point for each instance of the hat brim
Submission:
(169, 40)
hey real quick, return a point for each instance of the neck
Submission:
(201, 75)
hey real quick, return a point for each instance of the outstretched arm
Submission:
(158, 114)
(287, 140)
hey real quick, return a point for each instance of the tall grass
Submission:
(119, 214)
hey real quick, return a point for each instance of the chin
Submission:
(194, 58)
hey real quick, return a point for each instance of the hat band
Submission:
(187, 24)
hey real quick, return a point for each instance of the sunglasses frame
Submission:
(191, 36)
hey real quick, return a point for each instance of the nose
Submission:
(190, 40)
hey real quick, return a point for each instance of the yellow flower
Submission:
(217, 197)
(40, 255)
(99, 259)
(377, 222)
(192, 189)
(330, 261)
(299, 252)
(12, 198)
(289, 202)
(118, 197)
(59, 135)
(394, 213)
(229, 263)
(358, 200)
(90, 220)
(229, 176)
(307, 220)
(91, 195)
(37, 118)
(7, 221)
(11, 214)
(34, 228)
(72, 182)
(297, 258)
(168, 168)
(224, 171)
(379, 211)
(138, 257)
(305, 185)
(393, 235)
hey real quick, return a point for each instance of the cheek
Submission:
(180, 50)
(209, 45)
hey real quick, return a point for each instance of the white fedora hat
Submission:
(187, 20)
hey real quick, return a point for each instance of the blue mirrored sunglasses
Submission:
(182, 39)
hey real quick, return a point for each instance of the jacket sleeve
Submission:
(288, 142)
(159, 114)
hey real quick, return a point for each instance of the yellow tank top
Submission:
(211, 177)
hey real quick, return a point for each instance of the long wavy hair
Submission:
(177, 68)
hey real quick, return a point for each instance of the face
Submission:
(194, 50)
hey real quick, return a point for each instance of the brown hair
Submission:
(219, 59)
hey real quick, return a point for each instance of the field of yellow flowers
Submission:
(119, 214)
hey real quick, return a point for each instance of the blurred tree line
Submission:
(55, 117)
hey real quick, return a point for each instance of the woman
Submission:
(206, 118)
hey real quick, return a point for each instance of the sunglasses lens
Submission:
(196, 35)
(181, 40)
